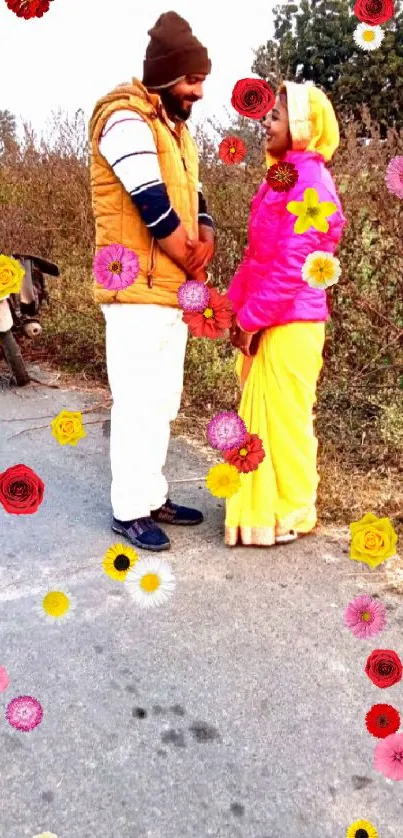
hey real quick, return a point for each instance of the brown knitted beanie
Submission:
(173, 52)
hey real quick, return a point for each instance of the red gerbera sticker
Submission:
(248, 456)
(29, 8)
(232, 150)
(214, 320)
(382, 720)
(282, 176)
(253, 98)
(374, 12)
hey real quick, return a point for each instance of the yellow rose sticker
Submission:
(68, 428)
(11, 276)
(373, 540)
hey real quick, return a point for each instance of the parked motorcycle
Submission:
(19, 313)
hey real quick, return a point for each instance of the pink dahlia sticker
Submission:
(4, 679)
(116, 267)
(24, 713)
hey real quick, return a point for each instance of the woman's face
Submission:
(278, 137)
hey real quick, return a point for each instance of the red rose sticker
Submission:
(28, 8)
(253, 98)
(384, 668)
(374, 12)
(21, 490)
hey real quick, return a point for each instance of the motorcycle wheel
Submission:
(14, 358)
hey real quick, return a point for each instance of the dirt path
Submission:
(235, 711)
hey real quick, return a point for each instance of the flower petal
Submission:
(302, 224)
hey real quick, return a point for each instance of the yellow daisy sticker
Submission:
(311, 213)
(361, 829)
(68, 428)
(11, 276)
(372, 540)
(119, 560)
(56, 605)
(321, 269)
(223, 480)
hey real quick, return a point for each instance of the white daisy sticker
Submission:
(150, 582)
(368, 37)
(321, 269)
(56, 606)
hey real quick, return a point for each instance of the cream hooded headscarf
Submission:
(313, 123)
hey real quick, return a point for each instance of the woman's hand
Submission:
(240, 339)
(233, 332)
(244, 342)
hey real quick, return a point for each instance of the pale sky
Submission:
(81, 49)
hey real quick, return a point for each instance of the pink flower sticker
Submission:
(24, 713)
(388, 756)
(365, 617)
(4, 679)
(394, 176)
(193, 295)
(226, 430)
(115, 267)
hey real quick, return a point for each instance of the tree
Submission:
(8, 131)
(313, 41)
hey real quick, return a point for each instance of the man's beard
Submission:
(173, 107)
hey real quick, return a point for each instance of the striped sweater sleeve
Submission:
(204, 216)
(127, 144)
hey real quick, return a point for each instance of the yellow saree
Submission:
(278, 396)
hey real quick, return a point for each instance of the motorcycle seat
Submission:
(43, 265)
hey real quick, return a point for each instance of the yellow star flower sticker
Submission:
(311, 213)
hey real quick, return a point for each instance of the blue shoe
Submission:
(143, 533)
(171, 513)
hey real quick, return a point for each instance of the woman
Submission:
(277, 308)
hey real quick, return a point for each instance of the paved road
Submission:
(254, 694)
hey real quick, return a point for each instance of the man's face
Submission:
(178, 100)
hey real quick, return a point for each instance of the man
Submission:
(145, 182)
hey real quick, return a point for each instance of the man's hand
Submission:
(199, 255)
(207, 236)
(201, 251)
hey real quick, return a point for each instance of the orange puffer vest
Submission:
(118, 221)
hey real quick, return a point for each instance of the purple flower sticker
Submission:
(115, 267)
(226, 430)
(193, 296)
(24, 713)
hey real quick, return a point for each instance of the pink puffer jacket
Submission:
(268, 288)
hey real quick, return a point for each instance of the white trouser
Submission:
(145, 353)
